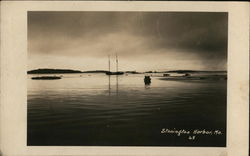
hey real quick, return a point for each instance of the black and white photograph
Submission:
(134, 78)
(117, 78)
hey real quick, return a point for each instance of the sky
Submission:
(143, 41)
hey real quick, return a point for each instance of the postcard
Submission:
(124, 78)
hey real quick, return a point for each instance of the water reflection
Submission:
(109, 85)
(147, 82)
(147, 86)
(116, 85)
(77, 109)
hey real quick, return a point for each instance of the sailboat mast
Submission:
(116, 63)
(109, 62)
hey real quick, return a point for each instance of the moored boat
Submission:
(46, 78)
(114, 73)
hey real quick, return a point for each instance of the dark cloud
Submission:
(139, 33)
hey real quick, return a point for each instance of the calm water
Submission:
(95, 109)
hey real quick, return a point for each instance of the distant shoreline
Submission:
(69, 71)
(53, 71)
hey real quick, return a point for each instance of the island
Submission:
(53, 71)
(62, 71)
(194, 71)
(95, 71)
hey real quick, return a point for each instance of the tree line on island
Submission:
(68, 71)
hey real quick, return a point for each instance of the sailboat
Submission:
(117, 72)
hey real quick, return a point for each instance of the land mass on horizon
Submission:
(68, 71)
(53, 71)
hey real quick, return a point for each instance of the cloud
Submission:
(177, 35)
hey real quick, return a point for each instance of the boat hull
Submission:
(114, 73)
(46, 78)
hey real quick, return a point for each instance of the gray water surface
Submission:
(101, 110)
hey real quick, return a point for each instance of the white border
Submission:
(14, 85)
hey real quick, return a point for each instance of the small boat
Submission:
(147, 80)
(46, 78)
(187, 74)
(166, 75)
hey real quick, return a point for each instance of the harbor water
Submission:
(101, 110)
